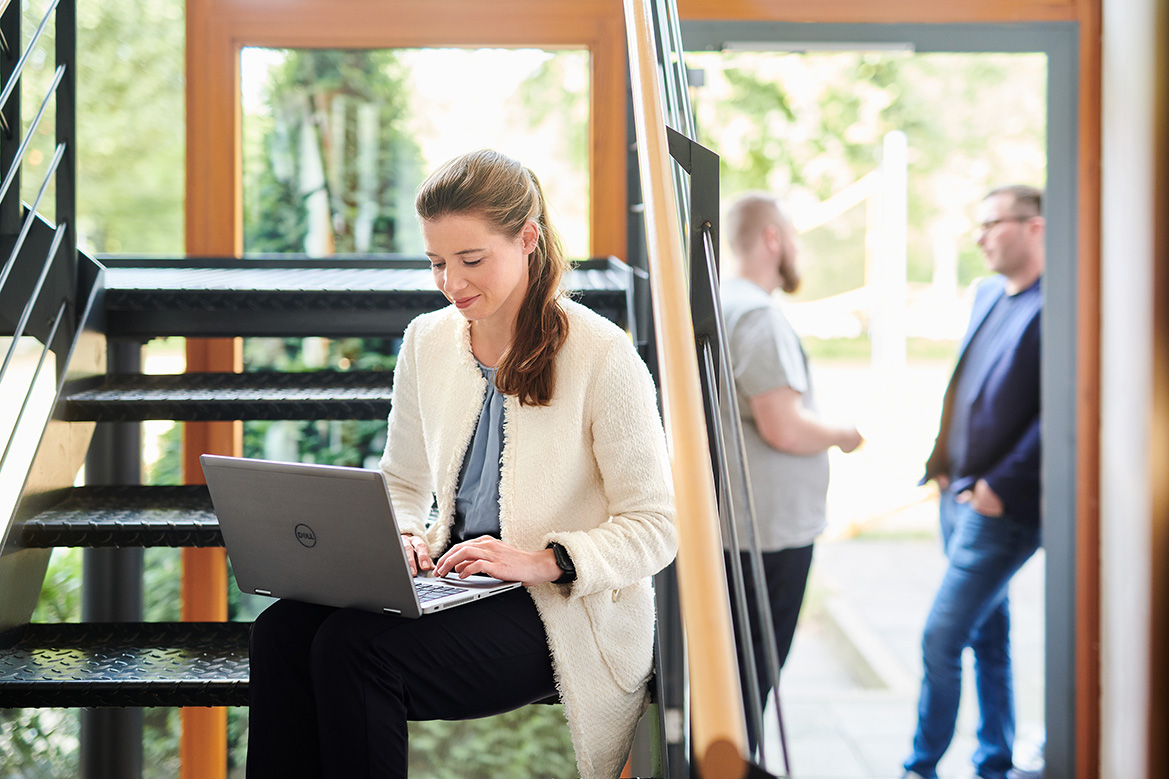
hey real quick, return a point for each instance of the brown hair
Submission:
(745, 222)
(1027, 198)
(506, 195)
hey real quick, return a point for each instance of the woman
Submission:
(533, 425)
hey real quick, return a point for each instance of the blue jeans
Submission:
(971, 610)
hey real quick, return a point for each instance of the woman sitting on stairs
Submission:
(533, 424)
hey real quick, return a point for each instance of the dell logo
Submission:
(306, 536)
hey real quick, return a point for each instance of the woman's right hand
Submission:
(417, 553)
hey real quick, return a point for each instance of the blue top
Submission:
(477, 499)
(990, 427)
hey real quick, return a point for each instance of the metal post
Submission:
(66, 121)
(888, 326)
(111, 739)
(10, 42)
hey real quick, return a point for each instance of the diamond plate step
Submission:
(283, 297)
(133, 516)
(205, 397)
(126, 664)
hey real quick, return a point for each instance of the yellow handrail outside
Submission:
(718, 728)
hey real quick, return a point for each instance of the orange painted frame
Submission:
(216, 32)
(218, 29)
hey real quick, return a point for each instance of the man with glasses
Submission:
(986, 465)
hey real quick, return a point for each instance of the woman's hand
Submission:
(417, 553)
(491, 557)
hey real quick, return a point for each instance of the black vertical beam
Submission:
(66, 122)
(111, 739)
(10, 42)
(702, 165)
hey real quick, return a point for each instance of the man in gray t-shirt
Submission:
(786, 440)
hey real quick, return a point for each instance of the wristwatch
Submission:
(564, 561)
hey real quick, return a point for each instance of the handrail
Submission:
(718, 730)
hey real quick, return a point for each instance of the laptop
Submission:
(324, 534)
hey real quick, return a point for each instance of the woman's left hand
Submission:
(491, 557)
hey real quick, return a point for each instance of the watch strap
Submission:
(564, 562)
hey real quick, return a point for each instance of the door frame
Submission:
(216, 32)
(1070, 577)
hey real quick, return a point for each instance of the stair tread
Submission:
(323, 394)
(274, 297)
(126, 516)
(126, 664)
(408, 276)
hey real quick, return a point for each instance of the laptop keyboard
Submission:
(428, 592)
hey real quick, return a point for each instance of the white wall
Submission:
(1129, 47)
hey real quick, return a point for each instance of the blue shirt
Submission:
(477, 499)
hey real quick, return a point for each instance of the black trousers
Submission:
(332, 689)
(786, 575)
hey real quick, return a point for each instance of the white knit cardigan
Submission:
(589, 471)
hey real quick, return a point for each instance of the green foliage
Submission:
(43, 742)
(356, 443)
(332, 122)
(60, 599)
(168, 468)
(861, 349)
(38, 743)
(806, 126)
(532, 741)
(555, 100)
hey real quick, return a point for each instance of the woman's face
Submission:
(482, 272)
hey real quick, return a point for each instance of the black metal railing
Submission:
(41, 281)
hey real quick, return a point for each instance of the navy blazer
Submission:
(1003, 439)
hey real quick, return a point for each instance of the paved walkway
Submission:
(851, 683)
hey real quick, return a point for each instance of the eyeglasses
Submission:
(990, 224)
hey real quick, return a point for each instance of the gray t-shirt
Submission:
(789, 491)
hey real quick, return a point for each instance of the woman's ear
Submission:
(529, 236)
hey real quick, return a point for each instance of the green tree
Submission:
(130, 134)
(325, 159)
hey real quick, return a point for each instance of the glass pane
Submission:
(817, 129)
(336, 142)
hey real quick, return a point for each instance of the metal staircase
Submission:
(205, 664)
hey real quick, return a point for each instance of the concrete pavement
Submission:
(851, 683)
